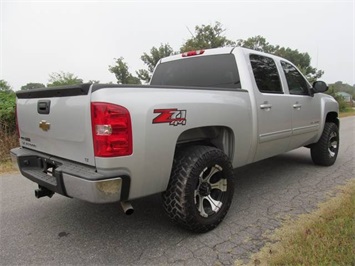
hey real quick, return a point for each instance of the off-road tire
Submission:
(199, 177)
(325, 151)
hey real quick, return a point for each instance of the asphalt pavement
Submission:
(68, 231)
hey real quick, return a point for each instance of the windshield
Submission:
(218, 71)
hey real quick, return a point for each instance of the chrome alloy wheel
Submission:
(210, 193)
(333, 144)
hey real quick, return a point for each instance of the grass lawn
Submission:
(349, 112)
(324, 237)
(6, 167)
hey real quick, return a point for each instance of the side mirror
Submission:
(319, 86)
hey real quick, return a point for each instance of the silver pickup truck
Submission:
(204, 113)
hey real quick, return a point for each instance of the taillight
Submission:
(111, 130)
(192, 53)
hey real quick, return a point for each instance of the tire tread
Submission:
(176, 200)
(319, 150)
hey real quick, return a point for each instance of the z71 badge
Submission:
(172, 116)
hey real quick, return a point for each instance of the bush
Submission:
(7, 111)
(7, 142)
(8, 135)
(343, 106)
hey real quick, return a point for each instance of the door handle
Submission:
(265, 106)
(297, 106)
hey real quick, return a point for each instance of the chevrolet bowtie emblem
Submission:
(44, 125)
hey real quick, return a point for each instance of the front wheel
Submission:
(201, 188)
(325, 151)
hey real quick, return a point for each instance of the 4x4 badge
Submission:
(172, 116)
(44, 125)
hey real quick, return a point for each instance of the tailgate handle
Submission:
(43, 107)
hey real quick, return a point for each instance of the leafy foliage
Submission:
(144, 75)
(205, 37)
(7, 107)
(93, 81)
(340, 86)
(4, 86)
(122, 73)
(62, 79)
(212, 36)
(342, 104)
(152, 59)
(8, 137)
(7, 111)
(30, 86)
(257, 43)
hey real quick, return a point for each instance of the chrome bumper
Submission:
(68, 178)
(100, 191)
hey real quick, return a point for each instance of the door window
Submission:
(265, 73)
(295, 81)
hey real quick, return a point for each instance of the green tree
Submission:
(93, 81)
(340, 86)
(342, 104)
(122, 73)
(4, 86)
(257, 43)
(207, 36)
(152, 59)
(30, 86)
(301, 60)
(7, 111)
(212, 36)
(62, 79)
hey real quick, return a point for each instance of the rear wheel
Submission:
(201, 188)
(325, 151)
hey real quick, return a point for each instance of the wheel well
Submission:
(216, 136)
(332, 117)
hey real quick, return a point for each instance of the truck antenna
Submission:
(190, 31)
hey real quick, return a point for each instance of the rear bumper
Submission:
(70, 179)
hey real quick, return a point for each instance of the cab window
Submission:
(215, 71)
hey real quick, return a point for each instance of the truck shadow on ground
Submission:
(149, 214)
(105, 230)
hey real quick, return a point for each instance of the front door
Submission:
(305, 108)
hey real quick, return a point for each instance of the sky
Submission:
(38, 38)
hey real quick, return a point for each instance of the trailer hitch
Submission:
(42, 192)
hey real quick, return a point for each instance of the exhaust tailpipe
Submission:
(127, 207)
(42, 192)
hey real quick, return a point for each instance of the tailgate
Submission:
(57, 121)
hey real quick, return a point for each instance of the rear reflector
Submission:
(111, 130)
(192, 53)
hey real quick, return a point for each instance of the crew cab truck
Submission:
(204, 113)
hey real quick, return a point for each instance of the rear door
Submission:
(273, 108)
(57, 121)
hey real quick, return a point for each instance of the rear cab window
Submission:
(215, 71)
(266, 74)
